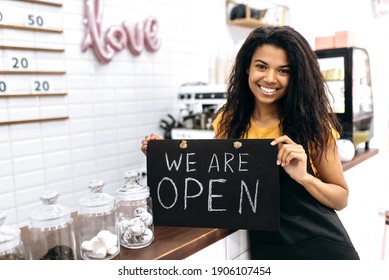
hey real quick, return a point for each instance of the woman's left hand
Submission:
(292, 157)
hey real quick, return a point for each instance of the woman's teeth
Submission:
(268, 90)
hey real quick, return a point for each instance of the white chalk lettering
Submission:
(189, 162)
(211, 196)
(211, 165)
(252, 203)
(242, 162)
(177, 163)
(194, 189)
(174, 163)
(186, 196)
(227, 160)
(159, 193)
(214, 164)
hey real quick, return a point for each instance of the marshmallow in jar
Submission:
(98, 231)
(136, 226)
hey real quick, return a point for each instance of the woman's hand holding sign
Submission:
(292, 157)
(145, 141)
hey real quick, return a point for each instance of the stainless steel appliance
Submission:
(197, 105)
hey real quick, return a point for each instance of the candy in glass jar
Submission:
(51, 230)
(136, 226)
(98, 230)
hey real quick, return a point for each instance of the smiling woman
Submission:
(268, 81)
(276, 90)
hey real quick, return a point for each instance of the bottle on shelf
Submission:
(98, 227)
(11, 245)
(51, 230)
(136, 226)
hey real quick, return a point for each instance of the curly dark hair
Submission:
(305, 111)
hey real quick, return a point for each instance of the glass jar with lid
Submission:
(136, 226)
(98, 230)
(51, 230)
(11, 245)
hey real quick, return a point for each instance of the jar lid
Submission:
(50, 214)
(9, 236)
(96, 202)
(132, 190)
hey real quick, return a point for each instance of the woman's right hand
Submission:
(145, 141)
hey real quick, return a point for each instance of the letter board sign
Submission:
(214, 183)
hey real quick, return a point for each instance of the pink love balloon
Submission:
(116, 38)
(144, 34)
(152, 42)
(93, 18)
(135, 39)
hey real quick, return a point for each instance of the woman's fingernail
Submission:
(278, 162)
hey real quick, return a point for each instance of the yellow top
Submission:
(256, 132)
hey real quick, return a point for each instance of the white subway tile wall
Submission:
(111, 107)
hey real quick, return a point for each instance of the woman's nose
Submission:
(270, 76)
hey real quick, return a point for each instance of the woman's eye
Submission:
(284, 71)
(261, 67)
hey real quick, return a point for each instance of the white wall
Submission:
(112, 107)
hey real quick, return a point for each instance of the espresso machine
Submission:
(197, 106)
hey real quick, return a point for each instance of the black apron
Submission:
(308, 229)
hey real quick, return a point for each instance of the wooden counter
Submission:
(174, 243)
(360, 156)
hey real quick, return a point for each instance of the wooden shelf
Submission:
(247, 22)
(270, 14)
(175, 243)
(32, 94)
(7, 72)
(360, 156)
(34, 120)
(29, 28)
(334, 80)
(19, 48)
(41, 2)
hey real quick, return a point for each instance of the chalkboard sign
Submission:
(214, 183)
